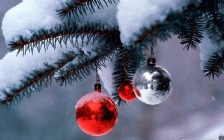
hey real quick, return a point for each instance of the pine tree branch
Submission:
(77, 71)
(215, 30)
(209, 6)
(62, 34)
(77, 8)
(194, 34)
(120, 74)
(160, 30)
(215, 65)
(189, 28)
(38, 79)
(214, 27)
(188, 25)
(127, 61)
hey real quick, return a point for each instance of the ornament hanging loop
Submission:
(151, 60)
(97, 86)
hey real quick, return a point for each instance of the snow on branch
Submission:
(134, 16)
(37, 79)
(33, 72)
(25, 74)
(77, 71)
(29, 16)
(62, 34)
(30, 27)
(77, 8)
(30, 24)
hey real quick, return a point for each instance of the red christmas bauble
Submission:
(126, 91)
(96, 114)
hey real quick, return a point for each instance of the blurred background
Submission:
(194, 110)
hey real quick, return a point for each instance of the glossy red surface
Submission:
(97, 117)
(126, 92)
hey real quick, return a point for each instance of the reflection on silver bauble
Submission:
(152, 84)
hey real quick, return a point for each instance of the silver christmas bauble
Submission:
(152, 84)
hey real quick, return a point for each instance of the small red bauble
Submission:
(126, 91)
(96, 114)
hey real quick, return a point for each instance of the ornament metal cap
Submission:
(97, 87)
(151, 61)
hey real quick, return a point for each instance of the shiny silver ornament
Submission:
(152, 84)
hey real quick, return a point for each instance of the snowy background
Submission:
(194, 110)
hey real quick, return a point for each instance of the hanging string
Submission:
(154, 43)
(152, 53)
(97, 86)
(125, 67)
(151, 59)
(97, 77)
